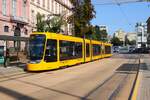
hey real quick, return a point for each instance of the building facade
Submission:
(50, 8)
(148, 32)
(131, 36)
(141, 32)
(14, 21)
(120, 34)
(18, 18)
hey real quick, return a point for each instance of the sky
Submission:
(122, 17)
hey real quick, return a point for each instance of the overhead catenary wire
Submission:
(119, 3)
(123, 13)
(122, 2)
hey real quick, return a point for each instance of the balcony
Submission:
(20, 20)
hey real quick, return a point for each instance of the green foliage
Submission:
(128, 42)
(53, 24)
(103, 35)
(40, 22)
(83, 13)
(96, 34)
(133, 42)
(116, 42)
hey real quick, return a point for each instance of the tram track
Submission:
(13, 76)
(113, 87)
(115, 94)
(123, 82)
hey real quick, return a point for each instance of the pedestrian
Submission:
(6, 60)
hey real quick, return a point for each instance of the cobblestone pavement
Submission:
(12, 69)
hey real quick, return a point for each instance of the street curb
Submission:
(134, 91)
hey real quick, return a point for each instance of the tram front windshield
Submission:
(36, 47)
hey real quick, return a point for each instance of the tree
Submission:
(40, 26)
(83, 13)
(133, 42)
(53, 24)
(103, 35)
(116, 42)
(97, 33)
(128, 42)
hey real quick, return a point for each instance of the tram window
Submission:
(96, 49)
(51, 51)
(107, 49)
(87, 50)
(78, 50)
(70, 50)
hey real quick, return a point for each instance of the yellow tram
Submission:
(51, 51)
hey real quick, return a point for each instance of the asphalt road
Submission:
(109, 78)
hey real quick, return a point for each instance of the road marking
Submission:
(135, 91)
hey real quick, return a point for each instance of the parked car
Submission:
(141, 50)
(115, 49)
(131, 49)
(123, 50)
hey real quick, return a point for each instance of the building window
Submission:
(33, 16)
(55, 7)
(60, 9)
(4, 7)
(43, 3)
(6, 29)
(52, 6)
(24, 9)
(139, 34)
(48, 4)
(38, 1)
(139, 42)
(14, 7)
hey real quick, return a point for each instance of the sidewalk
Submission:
(144, 84)
(13, 68)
